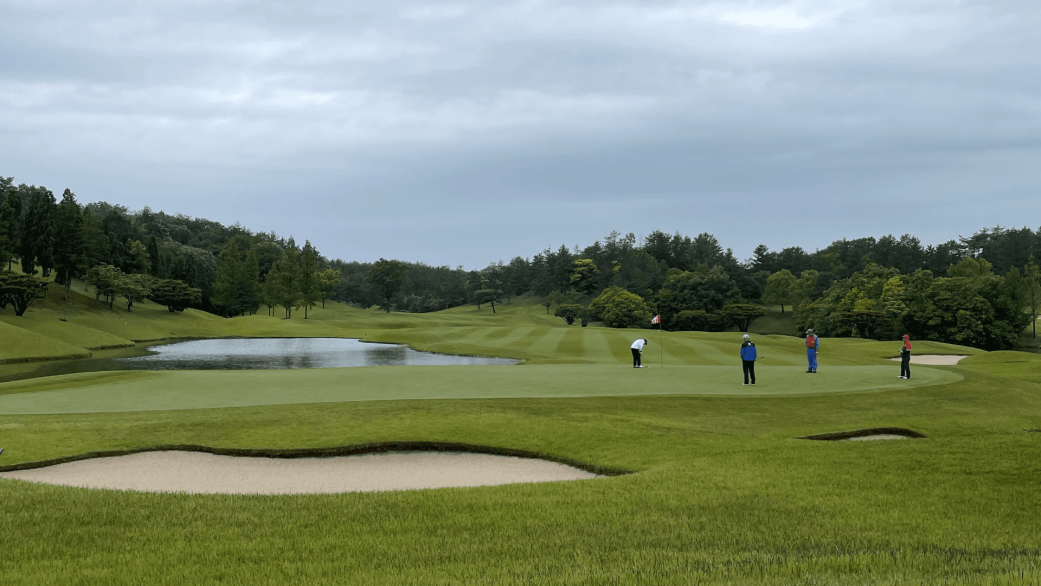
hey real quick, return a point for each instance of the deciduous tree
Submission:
(19, 291)
(174, 294)
(569, 312)
(584, 276)
(743, 314)
(387, 277)
(779, 288)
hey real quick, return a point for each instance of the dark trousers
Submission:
(905, 365)
(749, 367)
(636, 357)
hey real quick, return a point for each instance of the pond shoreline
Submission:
(252, 353)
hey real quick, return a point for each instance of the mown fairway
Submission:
(721, 491)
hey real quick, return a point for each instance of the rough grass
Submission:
(723, 492)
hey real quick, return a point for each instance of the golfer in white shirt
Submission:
(637, 349)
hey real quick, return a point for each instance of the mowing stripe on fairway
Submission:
(171, 390)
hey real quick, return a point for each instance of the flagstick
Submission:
(661, 348)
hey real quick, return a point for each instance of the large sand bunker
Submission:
(202, 473)
(934, 359)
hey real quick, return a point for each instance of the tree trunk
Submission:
(493, 306)
(782, 309)
(305, 311)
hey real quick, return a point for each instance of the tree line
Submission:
(693, 281)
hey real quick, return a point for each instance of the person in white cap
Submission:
(748, 356)
(637, 349)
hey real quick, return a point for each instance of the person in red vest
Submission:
(905, 358)
(812, 344)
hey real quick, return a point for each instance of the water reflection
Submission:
(248, 354)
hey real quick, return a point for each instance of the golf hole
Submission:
(875, 433)
(195, 472)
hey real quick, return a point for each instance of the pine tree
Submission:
(224, 288)
(282, 286)
(310, 280)
(37, 237)
(10, 228)
(68, 245)
(93, 244)
(249, 293)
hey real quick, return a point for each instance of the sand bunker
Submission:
(933, 359)
(201, 473)
(882, 436)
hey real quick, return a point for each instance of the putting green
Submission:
(168, 390)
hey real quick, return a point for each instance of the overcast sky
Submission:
(468, 132)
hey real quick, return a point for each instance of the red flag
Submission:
(656, 319)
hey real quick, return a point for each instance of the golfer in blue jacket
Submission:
(748, 356)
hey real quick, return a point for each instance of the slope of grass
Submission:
(19, 344)
(721, 491)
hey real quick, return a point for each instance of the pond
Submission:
(246, 354)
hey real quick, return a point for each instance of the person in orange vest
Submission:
(812, 344)
(905, 358)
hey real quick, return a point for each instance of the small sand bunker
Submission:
(202, 473)
(881, 436)
(934, 359)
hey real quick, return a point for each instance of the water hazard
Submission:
(247, 354)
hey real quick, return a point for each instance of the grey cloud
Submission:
(420, 126)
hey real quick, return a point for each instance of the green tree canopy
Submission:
(568, 311)
(10, 228)
(18, 290)
(310, 280)
(387, 277)
(619, 308)
(328, 279)
(1032, 293)
(69, 242)
(36, 246)
(779, 288)
(282, 286)
(584, 276)
(705, 289)
(175, 295)
(743, 314)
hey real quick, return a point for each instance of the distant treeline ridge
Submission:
(230, 270)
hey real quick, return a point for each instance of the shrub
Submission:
(625, 309)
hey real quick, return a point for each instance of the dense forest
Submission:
(980, 290)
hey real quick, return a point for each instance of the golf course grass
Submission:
(719, 489)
